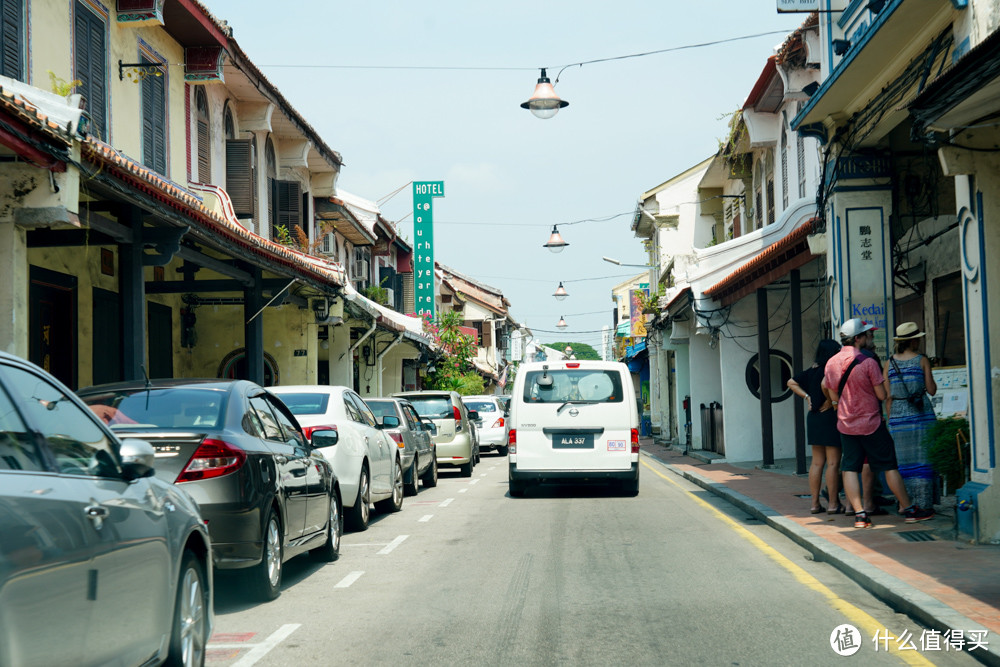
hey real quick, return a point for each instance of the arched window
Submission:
(204, 136)
(758, 195)
(784, 168)
(769, 184)
(271, 166)
(229, 124)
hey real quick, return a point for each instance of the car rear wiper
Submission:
(561, 407)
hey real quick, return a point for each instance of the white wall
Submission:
(705, 381)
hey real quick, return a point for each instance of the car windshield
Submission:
(304, 404)
(434, 407)
(382, 408)
(583, 385)
(159, 407)
(481, 406)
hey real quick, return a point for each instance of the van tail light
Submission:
(574, 364)
(498, 423)
(512, 441)
(397, 436)
(213, 458)
(635, 441)
(458, 417)
(309, 430)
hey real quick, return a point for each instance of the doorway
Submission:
(107, 342)
(52, 304)
(160, 328)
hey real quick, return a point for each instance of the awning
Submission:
(634, 350)
(775, 261)
(624, 328)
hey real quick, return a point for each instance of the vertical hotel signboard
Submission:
(424, 193)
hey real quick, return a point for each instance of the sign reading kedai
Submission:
(798, 5)
(424, 193)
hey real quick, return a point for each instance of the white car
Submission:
(365, 459)
(492, 424)
(573, 421)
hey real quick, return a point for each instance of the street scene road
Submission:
(570, 574)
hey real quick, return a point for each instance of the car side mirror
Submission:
(430, 427)
(473, 415)
(390, 421)
(138, 457)
(325, 438)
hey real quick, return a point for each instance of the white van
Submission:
(573, 420)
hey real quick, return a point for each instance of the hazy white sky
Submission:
(631, 124)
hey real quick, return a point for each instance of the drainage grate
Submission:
(917, 536)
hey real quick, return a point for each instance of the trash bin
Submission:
(707, 430)
(718, 433)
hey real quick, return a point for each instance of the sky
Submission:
(431, 91)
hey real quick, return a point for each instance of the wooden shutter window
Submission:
(11, 38)
(239, 176)
(487, 334)
(287, 207)
(91, 53)
(204, 137)
(154, 122)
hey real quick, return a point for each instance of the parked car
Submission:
(265, 492)
(574, 420)
(492, 423)
(455, 439)
(100, 562)
(418, 453)
(367, 462)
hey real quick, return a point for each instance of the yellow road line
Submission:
(860, 619)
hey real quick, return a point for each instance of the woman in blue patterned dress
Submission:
(910, 411)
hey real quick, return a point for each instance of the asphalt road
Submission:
(466, 575)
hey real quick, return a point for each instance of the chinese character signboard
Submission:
(867, 270)
(424, 193)
(638, 328)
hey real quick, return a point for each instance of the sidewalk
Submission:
(943, 583)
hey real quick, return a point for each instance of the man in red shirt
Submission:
(859, 420)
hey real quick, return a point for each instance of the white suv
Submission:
(492, 424)
(573, 420)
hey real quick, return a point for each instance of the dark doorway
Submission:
(107, 343)
(160, 328)
(52, 306)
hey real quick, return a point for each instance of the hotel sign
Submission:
(797, 6)
(424, 289)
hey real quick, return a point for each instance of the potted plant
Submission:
(947, 444)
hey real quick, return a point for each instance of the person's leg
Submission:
(816, 475)
(851, 466)
(868, 488)
(833, 475)
(852, 488)
(895, 482)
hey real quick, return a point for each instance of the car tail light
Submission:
(397, 436)
(498, 423)
(573, 364)
(458, 417)
(635, 441)
(213, 458)
(512, 441)
(309, 430)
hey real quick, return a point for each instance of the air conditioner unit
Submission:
(329, 244)
(361, 269)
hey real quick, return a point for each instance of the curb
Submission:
(898, 594)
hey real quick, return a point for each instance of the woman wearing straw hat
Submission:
(910, 411)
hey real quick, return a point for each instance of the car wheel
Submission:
(265, 577)
(467, 468)
(189, 636)
(330, 551)
(479, 458)
(393, 503)
(411, 486)
(516, 488)
(502, 450)
(357, 516)
(431, 476)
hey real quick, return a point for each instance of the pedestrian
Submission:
(821, 429)
(857, 385)
(908, 373)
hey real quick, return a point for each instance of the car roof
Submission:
(164, 383)
(310, 389)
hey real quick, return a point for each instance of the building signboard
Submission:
(638, 319)
(424, 285)
(866, 268)
(785, 6)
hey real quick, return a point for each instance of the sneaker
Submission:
(861, 520)
(914, 513)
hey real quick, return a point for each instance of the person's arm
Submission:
(888, 391)
(799, 391)
(929, 382)
(876, 378)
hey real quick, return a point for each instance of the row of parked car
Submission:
(119, 503)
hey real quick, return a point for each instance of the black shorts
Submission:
(879, 448)
(821, 428)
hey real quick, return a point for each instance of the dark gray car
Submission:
(100, 563)
(265, 493)
(413, 436)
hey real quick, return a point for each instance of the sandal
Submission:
(819, 509)
(839, 509)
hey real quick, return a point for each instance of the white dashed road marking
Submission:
(392, 545)
(260, 650)
(349, 579)
(475, 481)
(445, 503)
(425, 518)
(462, 490)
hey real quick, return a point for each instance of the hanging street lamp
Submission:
(544, 103)
(560, 294)
(561, 324)
(555, 242)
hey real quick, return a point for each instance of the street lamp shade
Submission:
(555, 243)
(561, 324)
(544, 103)
(611, 261)
(560, 294)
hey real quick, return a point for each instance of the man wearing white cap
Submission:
(857, 388)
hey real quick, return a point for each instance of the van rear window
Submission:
(559, 386)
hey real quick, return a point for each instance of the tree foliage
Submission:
(454, 372)
(580, 350)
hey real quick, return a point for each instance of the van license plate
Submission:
(572, 441)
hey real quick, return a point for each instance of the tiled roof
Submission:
(181, 200)
(18, 107)
(768, 73)
(682, 294)
(793, 50)
(773, 262)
